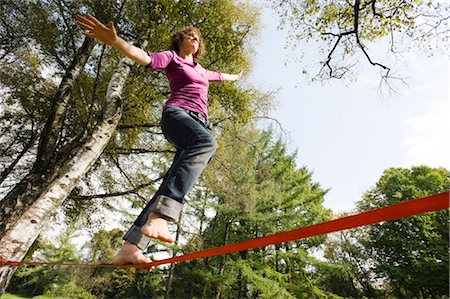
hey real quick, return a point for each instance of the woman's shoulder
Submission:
(168, 54)
(161, 60)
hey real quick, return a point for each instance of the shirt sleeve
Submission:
(159, 60)
(214, 76)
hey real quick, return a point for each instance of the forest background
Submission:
(82, 151)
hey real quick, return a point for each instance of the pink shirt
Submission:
(188, 81)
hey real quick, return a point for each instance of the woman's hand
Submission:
(238, 76)
(232, 77)
(95, 29)
(108, 35)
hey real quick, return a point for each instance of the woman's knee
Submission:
(209, 142)
(205, 140)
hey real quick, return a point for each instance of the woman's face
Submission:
(190, 43)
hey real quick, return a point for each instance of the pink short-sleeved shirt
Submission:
(188, 81)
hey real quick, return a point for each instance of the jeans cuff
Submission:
(135, 236)
(167, 207)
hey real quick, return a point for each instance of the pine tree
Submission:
(255, 189)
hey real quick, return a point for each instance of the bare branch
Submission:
(274, 120)
(26, 148)
(62, 8)
(119, 193)
(328, 61)
(374, 11)
(355, 31)
(116, 161)
(125, 151)
(138, 126)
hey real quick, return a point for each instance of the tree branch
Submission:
(116, 161)
(355, 32)
(50, 133)
(29, 144)
(61, 6)
(119, 193)
(125, 151)
(138, 126)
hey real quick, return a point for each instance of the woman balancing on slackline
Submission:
(184, 124)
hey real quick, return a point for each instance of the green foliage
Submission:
(11, 296)
(85, 283)
(265, 193)
(412, 252)
(31, 70)
(409, 256)
(349, 272)
(337, 279)
(251, 188)
(24, 105)
(68, 290)
(225, 34)
(264, 282)
(37, 280)
(104, 244)
(265, 186)
(115, 283)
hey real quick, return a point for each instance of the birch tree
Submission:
(68, 128)
(24, 213)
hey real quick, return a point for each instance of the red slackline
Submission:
(400, 210)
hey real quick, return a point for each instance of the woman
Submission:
(184, 124)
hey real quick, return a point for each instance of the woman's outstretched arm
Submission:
(232, 77)
(108, 35)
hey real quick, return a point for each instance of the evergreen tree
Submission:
(256, 189)
(37, 280)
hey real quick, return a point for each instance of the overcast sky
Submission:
(348, 135)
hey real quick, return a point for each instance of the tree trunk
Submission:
(172, 266)
(21, 231)
(52, 128)
(242, 281)
(222, 261)
(277, 266)
(22, 196)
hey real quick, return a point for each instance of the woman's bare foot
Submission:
(156, 228)
(129, 254)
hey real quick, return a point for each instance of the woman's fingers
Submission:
(93, 20)
(84, 21)
(87, 33)
(95, 29)
(90, 23)
(84, 26)
(111, 27)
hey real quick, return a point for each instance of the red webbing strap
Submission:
(392, 212)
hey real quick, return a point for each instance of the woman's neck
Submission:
(187, 56)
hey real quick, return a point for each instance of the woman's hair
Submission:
(181, 34)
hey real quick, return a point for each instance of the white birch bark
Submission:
(19, 238)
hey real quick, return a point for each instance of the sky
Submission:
(347, 134)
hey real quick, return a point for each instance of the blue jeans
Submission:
(194, 148)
